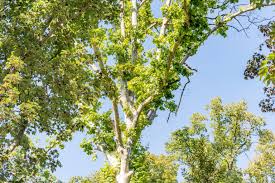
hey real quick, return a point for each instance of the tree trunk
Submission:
(124, 175)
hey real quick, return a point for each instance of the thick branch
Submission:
(163, 27)
(125, 98)
(134, 14)
(170, 59)
(144, 103)
(125, 94)
(117, 125)
(140, 108)
(165, 20)
(134, 24)
(122, 23)
(99, 58)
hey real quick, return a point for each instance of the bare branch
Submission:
(181, 95)
(241, 11)
(190, 68)
(185, 58)
(235, 18)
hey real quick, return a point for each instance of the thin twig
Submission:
(181, 95)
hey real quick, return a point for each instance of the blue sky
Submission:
(220, 63)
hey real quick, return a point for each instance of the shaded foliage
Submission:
(263, 66)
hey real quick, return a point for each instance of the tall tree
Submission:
(138, 80)
(209, 149)
(59, 69)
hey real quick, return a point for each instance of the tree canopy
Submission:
(100, 67)
(211, 146)
(43, 76)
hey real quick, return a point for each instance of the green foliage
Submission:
(63, 62)
(209, 148)
(29, 164)
(148, 168)
(267, 69)
(43, 76)
(262, 66)
(261, 170)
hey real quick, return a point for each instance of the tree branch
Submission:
(117, 125)
(125, 94)
(134, 13)
(165, 20)
(134, 24)
(163, 27)
(170, 58)
(140, 108)
(121, 15)
(228, 18)
(125, 99)
(99, 58)
(181, 95)
(241, 11)
(142, 2)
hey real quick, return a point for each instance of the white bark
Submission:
(112, 159)
(134, 24)
(134, 13)
(165, 20)
(163, 27)
(124, 175)
(122, 24)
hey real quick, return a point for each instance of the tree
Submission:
(208, 149)
(262, 168)
(59, 69)
(139, 81)
(43, 77)
(263, 66)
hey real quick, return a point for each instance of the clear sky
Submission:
(220, 63)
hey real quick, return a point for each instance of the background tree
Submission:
(43, 76)
(262, 168)
(208, 150)
(263, 66)
(58, 70)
